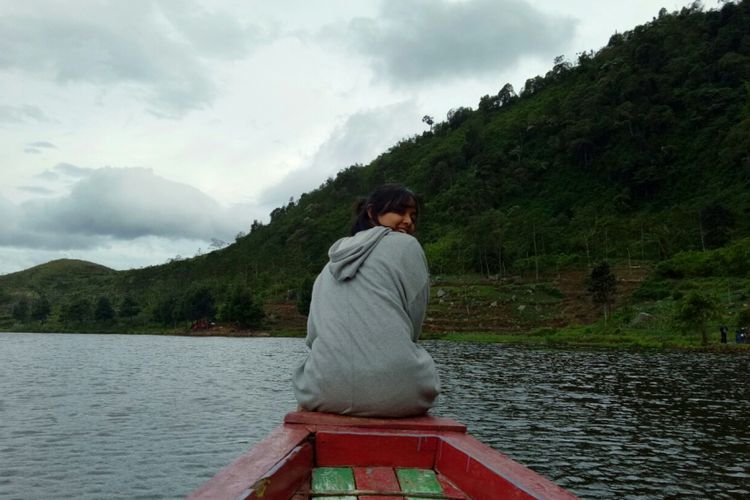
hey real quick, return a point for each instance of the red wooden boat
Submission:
(320, 455)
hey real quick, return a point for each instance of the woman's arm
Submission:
(416, 281)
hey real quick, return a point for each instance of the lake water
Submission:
(114, 416)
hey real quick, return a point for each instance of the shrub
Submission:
(691, 264)
(304, 295)
(103, 310)
(77, 310)
(550, 291)
(695, 312)
(743, 318)
(241, 308)
(653, 290)
(733, 260)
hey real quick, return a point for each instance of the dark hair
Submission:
(387, 198)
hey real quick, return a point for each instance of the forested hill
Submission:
(642, 147)
(639, 150)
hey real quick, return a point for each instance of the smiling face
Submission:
(390, 205)
(403, 223)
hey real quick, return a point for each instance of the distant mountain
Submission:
(56, 275)
(639, 151)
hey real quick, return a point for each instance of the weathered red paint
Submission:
(303, 493)
(449, 488)
(426, 423)
(376, 479)
(284, 478)
(282, 463)
(238, 477)
(372, 478)
(483, 473)
(374, 449)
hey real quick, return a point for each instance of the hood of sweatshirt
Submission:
(348, 254)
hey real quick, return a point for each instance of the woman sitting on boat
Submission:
(366, 315)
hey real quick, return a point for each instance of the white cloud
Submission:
(415, 41)
(41, 144)
(359, 139)
(38, 147)
(115, 204)
(158, 50)
(21, 114)
(267, 100)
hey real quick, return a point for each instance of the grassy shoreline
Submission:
(568, 338)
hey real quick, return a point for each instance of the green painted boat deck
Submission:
(418, 481)
(329, 480)
(338, 482)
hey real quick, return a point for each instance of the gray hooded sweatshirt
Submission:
(365, 317)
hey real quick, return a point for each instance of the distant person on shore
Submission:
(723, 330)
(366, 314)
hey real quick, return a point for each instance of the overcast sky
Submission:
(135, 131)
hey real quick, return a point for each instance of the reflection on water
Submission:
(93, 416)
(110, 416)
(608, 423)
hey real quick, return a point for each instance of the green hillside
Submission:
(632, 154)
(57, 280)
(59, 273)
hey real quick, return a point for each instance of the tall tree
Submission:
(21, 309)
(103, 310)
(695, 312)
(76, 311)
(199, 303)
(602, 285)
(242, 308)
(129, 307)
(166, 310)
(506, 95)
(41, 308)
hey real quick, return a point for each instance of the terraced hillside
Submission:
(479, 304)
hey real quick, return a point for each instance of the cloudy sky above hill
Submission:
(132, 132)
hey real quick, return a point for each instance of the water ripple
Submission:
(604, 424)
(94, 416)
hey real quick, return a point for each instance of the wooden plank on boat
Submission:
(485, 474)
(427, 423)
(450, 489)
(375, 449)
(376, 478)
(303, 493)
(380, 479)
(325, 479)
(234, 480)
(284, 478)
(418, 481)
(330, 482)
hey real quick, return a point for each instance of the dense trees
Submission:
(128, 307)
(241, 308)
(639, 150)
(41, 309)
(198, 303)
(77, 310)
(165, 311)
(21, 309)
(103, 310)
(36, 309)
